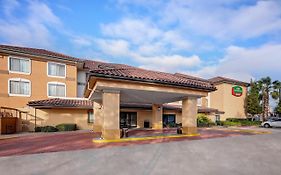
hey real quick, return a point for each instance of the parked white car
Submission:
(272, 123)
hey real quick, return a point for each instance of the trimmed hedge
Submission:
(66, 127)
(238, 122)
(46, 129)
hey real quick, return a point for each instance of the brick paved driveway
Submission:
(55, 142)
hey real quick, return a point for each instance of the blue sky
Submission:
(234, 38)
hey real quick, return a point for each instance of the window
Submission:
(19, 87)
(199, 102)
(19, 65)
(90, 117)
(56, 70)
(128, 120)
(56, 89)
(218, 118)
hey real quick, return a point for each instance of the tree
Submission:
(252, 100)
(278, 108)
(276, 95)
(265, 86)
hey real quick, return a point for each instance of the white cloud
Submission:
(246, 63)
(114, 47)
(169, 63)
(32, 29)
(134, 30)
(220, 20)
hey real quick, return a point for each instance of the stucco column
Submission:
(98, 117)
(111, 112)
(157, 113)
(189, 115)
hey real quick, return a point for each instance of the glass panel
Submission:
(19, 87)
(19, 65)
(90, 117)
(56, 90)
(128, 119)
(56, 69)
(61, 90)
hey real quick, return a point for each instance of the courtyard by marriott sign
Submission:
(237, 91)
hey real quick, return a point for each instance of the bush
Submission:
(66, 127)
(38, 129)
(238, 122)
(48, 129)
(204, 121)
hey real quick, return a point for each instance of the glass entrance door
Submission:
(169, 120)
(128, 120)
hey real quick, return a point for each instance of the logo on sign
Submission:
(237, 91)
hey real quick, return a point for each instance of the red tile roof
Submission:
(219, 80)
(35, 52)
(87, 104)
(121, 71)
(62, 103)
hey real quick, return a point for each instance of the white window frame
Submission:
(54, 75)
(56, 83)
(21, 58)
(19, 95)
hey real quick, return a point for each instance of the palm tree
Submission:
(265, 85)
(276, 94)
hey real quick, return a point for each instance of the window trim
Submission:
(21, 58)
(54, 75)
(19, 95)
(56, 83)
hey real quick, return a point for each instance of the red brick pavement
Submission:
(83, 140)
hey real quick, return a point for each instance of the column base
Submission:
(189, 130)
(157, 126)
(97, 128)
(110, 134)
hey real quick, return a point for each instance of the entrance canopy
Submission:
(142, 86)
(110, 85)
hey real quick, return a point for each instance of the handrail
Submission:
(9, 108)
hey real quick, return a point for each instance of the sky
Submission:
(239, 39)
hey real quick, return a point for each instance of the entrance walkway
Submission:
(55, 142)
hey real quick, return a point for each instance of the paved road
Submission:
(258, 154)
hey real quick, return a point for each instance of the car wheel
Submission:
(266, 125)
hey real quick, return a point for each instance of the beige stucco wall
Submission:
(54, 117)
(39, 80)
(223, 100)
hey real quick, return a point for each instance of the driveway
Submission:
(251, 154)
(66, 141)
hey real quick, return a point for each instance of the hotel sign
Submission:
(237, 91)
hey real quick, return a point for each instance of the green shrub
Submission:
(204, 121)
(38, 129)
(238, 122)
(48, 129)
(230, 123)
(172, 125)
(66, 127)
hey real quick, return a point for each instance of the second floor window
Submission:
(56, 89)
(19, 87)
(56, 69)
(19, 65)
